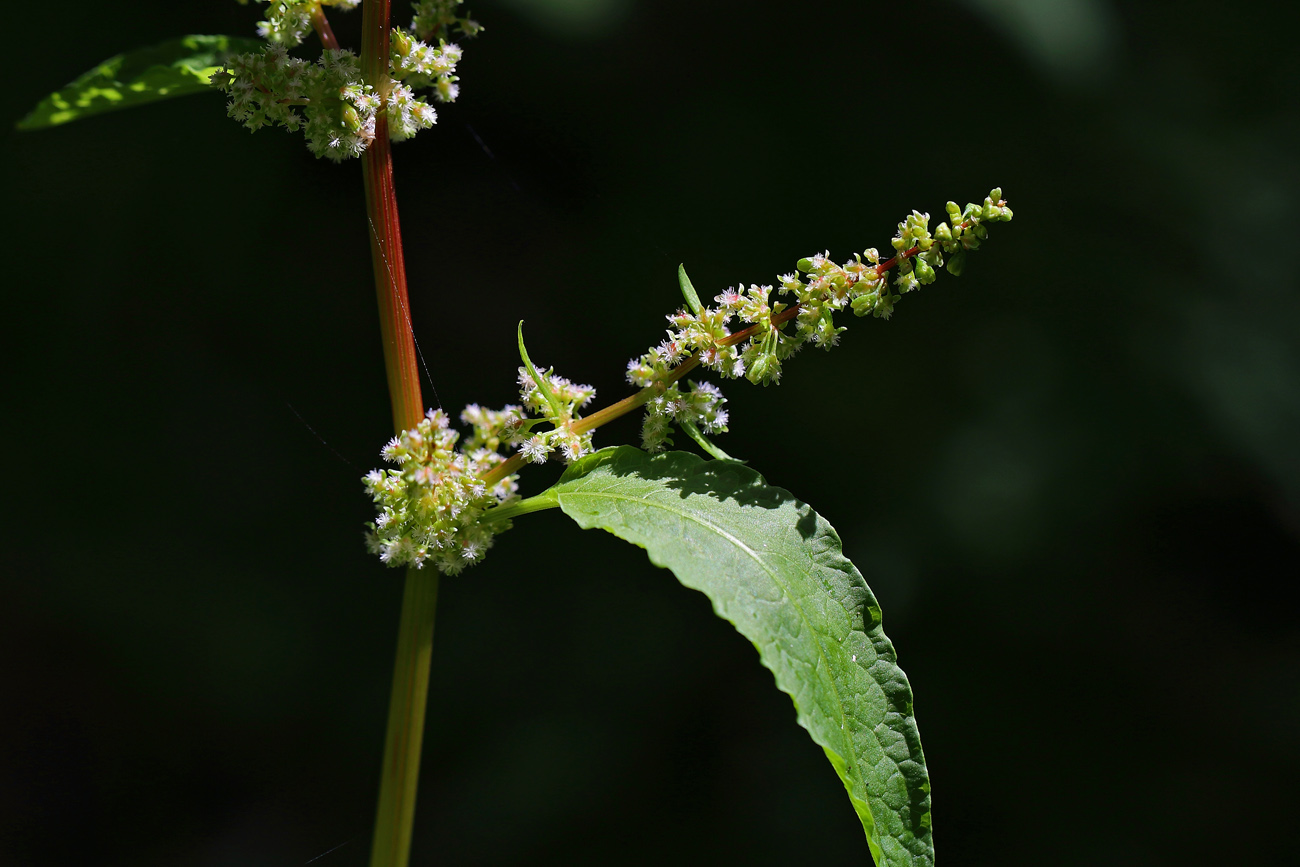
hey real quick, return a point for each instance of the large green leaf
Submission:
(173, 68)
(774, 568)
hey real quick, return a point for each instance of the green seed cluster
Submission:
(430, 505)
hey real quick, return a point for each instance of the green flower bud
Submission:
(1006, 214)
(981, 231)
(401, 43)
(924, 272)
(758, 371)
(804, 265)
(996, 194)
(943, 233)
(349, 119)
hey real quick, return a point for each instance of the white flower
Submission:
(535, 449)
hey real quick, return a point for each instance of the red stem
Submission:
(386, 233)
(321, 25)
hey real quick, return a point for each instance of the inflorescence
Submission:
(825, 288)
(430, 507)
(328, 99)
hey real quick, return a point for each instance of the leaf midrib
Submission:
(839, 701)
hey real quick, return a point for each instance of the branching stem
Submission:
(607, 414)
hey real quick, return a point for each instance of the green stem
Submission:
(395, 813)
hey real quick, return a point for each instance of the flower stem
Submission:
(607, 414)
(321, 25)
(395, 813)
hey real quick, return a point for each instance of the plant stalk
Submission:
(615, 410)
(399, 777)
(395, 813)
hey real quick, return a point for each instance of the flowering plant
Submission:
(770, 565)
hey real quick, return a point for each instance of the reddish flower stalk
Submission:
(321, 25)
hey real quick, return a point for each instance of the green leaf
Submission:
(173, 68)
(774, 568)
(688, 291)
(542, 383)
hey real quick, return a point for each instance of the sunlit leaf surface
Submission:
(173, 68)
(774, 568)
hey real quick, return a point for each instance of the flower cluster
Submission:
(435, 19)
(758, 350)
(329, 99)
(556, 400)
(289, 21)
(325, 99)
(697, 410)
(418, 65)
(429, 507)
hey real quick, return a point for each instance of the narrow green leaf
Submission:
(693, 431)
(543, 385)
(774, 568)
(173, 68)
(688, 291)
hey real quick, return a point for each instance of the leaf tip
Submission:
(688, 290)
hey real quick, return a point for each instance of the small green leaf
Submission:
(957, 263)
(693, 431)
(173, 68)
(542, 385)
(688, 291)
(774, 568)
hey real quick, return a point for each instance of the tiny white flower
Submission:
(535, 449)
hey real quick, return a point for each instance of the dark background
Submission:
(1071, 475)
